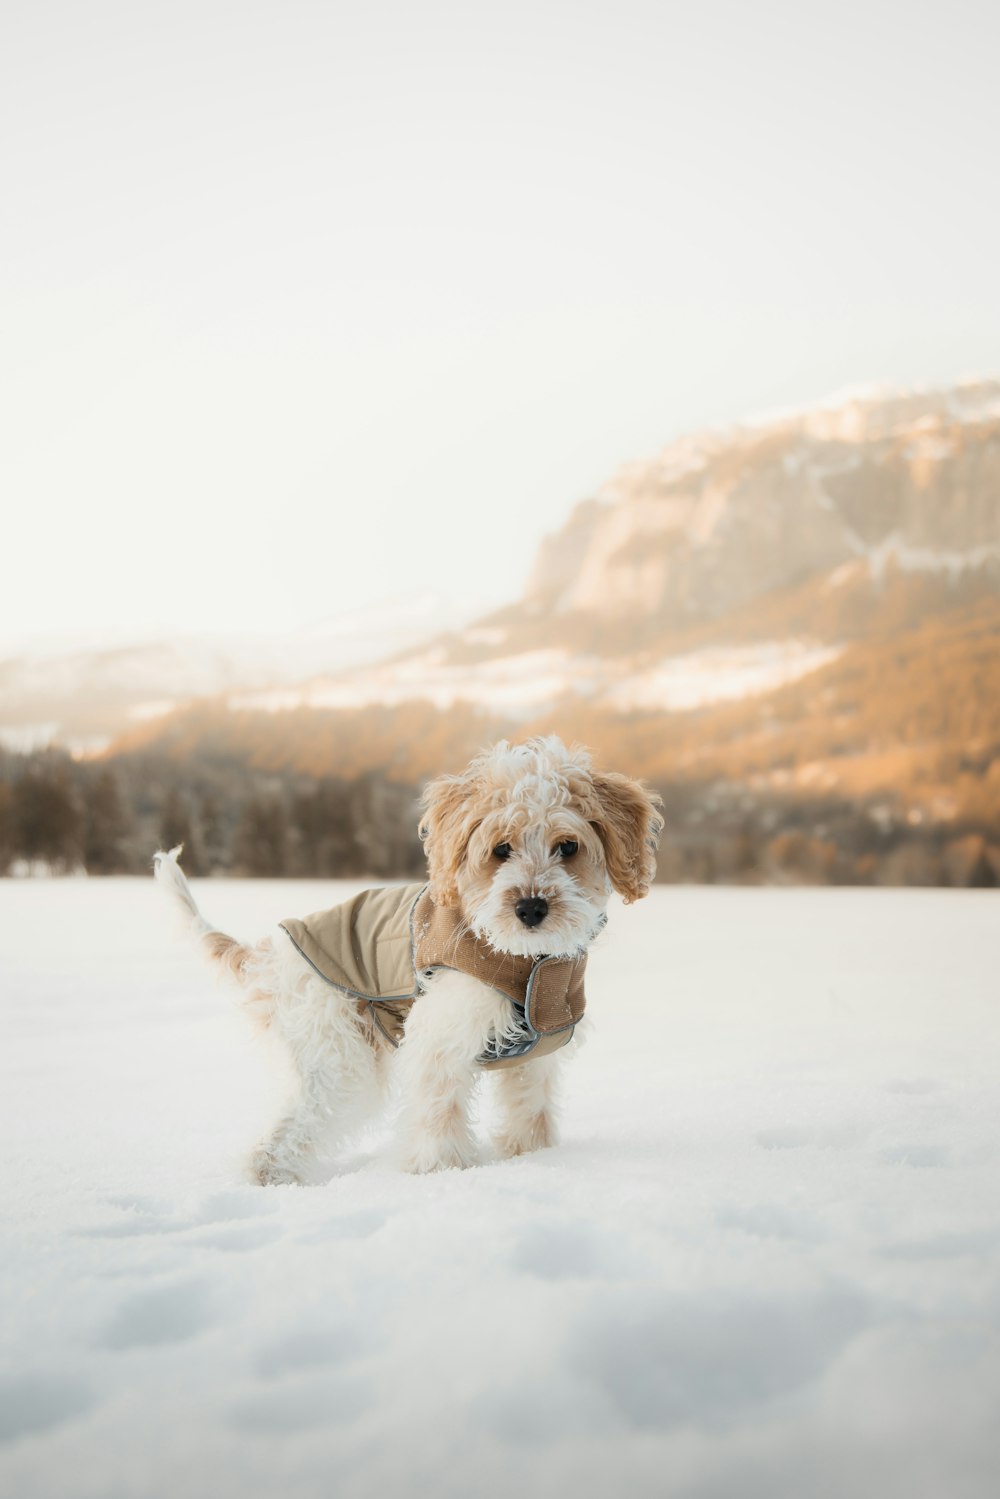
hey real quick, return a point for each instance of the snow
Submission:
(143, 712)
(521, 684)
(140, 680)
(23, 739)
(721, 674)
(514, 684)
(490, 635)
(763, 1262)
(843, 416)
(910, 559)
(930, 445)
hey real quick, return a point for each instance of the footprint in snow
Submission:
(144, 1216)
(784, 1138)
(134, 1228)
(773, 1221)
(31, 1403)
(920, 1157)
(330, 1400)
(311, 1348)
(235, 1206)
(912, 1087)
(670, 1361)
(555, 1249)
(149, 1216)
(944, 1246)
(824, 1137)
(152, 1207)
(358, 1225)
(169, 1314)
(235, 1239)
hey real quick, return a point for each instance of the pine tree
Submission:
(261, 843)
(385, 819)
(323, 824)
(47, 818)
(214, 850)
(6, 827)
(176, 828)
(107, 825)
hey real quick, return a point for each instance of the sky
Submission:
(306, 308)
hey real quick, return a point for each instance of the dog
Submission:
(479, 969)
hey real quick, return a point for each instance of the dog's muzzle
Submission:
(532, 910)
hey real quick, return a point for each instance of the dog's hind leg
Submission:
(325, 1111)
(285, 1155)
(527, 1097)
(338, 1084)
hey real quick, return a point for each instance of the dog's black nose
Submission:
(532, 910)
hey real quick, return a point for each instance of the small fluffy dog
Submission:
(479, 969)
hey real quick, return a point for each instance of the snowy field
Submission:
(764, 1262)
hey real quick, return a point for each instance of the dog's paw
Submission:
(506, 1149)
(540, 1134)
(270, 1171)
(441, 1156)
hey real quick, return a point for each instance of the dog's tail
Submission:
(223, 950)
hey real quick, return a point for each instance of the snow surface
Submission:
(717, 675)
(521, 684)
(515, 684)
(763, 1262)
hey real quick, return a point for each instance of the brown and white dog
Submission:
(523, 848)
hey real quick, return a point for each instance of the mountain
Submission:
(731, 564)
(722, 520)
(84, 698)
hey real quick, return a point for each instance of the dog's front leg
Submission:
(527, 1096)
(447, 1031)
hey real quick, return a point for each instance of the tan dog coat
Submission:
(382, 945)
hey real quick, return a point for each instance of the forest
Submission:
(61, 815)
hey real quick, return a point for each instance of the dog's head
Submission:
(529, 841)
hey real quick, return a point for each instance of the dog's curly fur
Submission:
(522, 822)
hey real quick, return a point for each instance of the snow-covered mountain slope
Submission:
(521, 685)
(86, 696)
(721, 519)
(732, 563)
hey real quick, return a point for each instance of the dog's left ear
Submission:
(445, 828)
(628, 824)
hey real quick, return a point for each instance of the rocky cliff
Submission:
(909, 483)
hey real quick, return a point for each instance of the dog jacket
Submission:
(382, 945)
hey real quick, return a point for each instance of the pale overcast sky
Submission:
(306, 305)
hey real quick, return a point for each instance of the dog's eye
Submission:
(567, 848)
(502, 851)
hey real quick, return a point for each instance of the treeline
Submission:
(61, 815)
(722, 833)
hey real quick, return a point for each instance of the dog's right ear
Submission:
(447, 823)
